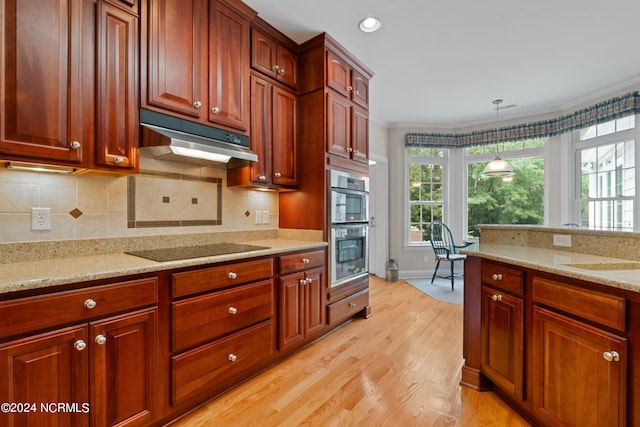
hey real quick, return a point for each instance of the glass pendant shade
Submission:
(498, 168)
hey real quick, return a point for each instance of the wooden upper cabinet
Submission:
(117, 89)
(261, 130)
(273, 59)
(346, 80)
(177, 56)
(229, 46)
(47, 80)
(360, 135)
(284, 145)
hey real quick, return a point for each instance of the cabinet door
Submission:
(360, 141)
(573, 383)
(47, 80)
(338, 125)
(117, 107)
(284, 137)
(287, 66)
(123, 367)
(263, 53)
(228, 67)
(314, 306)
(45, 369)
(291, 310)
(502, 340)
(177, 56)
(338, 74)
(360, 92)
(260, 129)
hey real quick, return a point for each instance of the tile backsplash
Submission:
(166, 198)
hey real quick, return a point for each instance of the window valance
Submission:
(605, 111)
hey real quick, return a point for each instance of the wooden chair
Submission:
(444, 249)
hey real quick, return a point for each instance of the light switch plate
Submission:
(563, 240)
(258, 215)
(265, 217)
(41, 218)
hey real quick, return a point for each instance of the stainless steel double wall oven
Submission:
(349, 216)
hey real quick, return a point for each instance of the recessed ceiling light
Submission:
(370, 24)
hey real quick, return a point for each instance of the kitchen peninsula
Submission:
(552, 323)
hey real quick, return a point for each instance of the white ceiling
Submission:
(440, 63)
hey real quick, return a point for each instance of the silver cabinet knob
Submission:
(303, 282)
(352, 304)
(118, 160)
(101, 339)
(232, 275)
(89, 303)
(80, 345)
(305, 260)
(215, 110)
(611, 356)
(233, 310)
(349, 88)
(197, 104)
(357, 92)
(309, 280)
(497, 277)
(356, 151)
(262, 178)
(232, 357)
(277, 174)
(496, 297)
(281, 71)
(276, 68)
(75, 145)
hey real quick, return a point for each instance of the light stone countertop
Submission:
(554, 261)
(25, 275)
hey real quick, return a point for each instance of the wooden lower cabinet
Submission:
(575, 384)
(503, 340)
(99, 374)
(301, 307)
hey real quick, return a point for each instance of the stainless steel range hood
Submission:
(170, 138)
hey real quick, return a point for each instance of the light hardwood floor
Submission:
(401, 367)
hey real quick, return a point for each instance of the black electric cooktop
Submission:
(186, 252)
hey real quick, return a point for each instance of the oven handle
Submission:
(350, 224)
(349, 191)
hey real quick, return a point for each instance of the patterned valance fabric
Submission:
(605, 111)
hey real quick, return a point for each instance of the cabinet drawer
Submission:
(44, 311)
(206, 279)
(203, 318)
(211, 368)
(501, 277)
(348, 306)
(301, 261)
(607, 310)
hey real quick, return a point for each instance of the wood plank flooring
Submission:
(401, 367)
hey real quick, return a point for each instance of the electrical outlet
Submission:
(258, 215)
(265, 217)
(41, 218)
(563, 240)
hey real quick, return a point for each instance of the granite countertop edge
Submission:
(552, 261)
(40, 274)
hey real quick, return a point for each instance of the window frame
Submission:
(611, 138)
(443, 161)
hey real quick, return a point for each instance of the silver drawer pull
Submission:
(497, 277)
(89, 303)
(101, 339)
(117, 160)
(352, 304)
(496, 297)
(79, 345)
(305, 260)
(75, 145)
(309, 280)
(303, 282)
(232, 357)
(232, 275)
(233, 310)
(611, 356)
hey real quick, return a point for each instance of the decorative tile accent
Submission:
(76, 213)
(164, 199)
(247, 213)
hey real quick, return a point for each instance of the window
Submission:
(513, 200)
(426, 184)
(607, 180)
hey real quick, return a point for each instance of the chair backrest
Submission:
(441, 239)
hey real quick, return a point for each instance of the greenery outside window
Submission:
(512, 200)
(426, 188)
(606, 191)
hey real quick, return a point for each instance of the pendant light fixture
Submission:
(498, 168)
